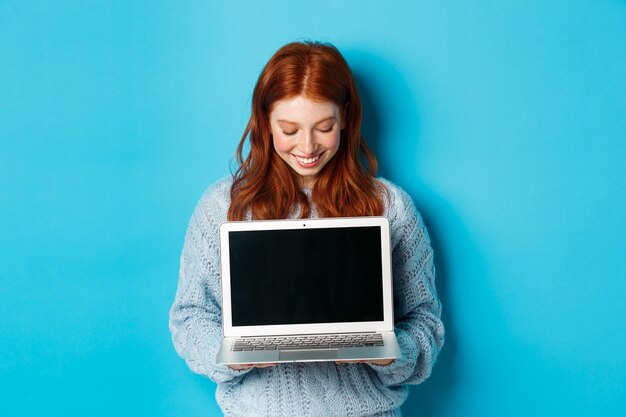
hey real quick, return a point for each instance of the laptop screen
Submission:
(303, 276)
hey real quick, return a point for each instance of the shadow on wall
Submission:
(388, 100)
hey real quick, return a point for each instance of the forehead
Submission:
(300, 109)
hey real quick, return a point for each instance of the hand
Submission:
(241, 367)
(380, 362)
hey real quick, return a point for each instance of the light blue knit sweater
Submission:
(309, 389)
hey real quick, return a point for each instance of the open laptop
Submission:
(307, 290)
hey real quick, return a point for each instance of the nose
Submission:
(309, 144)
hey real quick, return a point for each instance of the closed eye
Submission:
(327, 130)
(291, 133)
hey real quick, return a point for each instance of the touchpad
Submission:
(307, 355)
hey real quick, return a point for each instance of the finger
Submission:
(382, 362)
(240, 367)
(265, 365)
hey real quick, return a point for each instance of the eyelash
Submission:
(321, 130)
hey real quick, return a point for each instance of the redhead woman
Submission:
(307, 159)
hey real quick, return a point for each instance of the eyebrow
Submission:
(316, 123)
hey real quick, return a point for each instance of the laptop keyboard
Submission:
(334, 341)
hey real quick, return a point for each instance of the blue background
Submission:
(505, 121)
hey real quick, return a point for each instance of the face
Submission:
(305, 134)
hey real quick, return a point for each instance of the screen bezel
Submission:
(313, 328)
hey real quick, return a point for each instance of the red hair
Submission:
(264, 185)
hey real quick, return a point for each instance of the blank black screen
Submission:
(306, 276)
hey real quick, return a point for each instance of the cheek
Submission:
(333, 141)
(280, 144)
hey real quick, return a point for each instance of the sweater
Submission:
(319, 388)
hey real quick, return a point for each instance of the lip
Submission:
(307, 161)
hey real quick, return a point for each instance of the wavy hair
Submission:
(264, 186)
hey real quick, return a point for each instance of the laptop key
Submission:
(308, 342)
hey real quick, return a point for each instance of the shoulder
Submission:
(219, 190)
(397, 201)
(403, 215)
(215, 200)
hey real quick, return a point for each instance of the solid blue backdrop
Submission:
(505, 121)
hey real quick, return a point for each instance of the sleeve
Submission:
(195, 316)
(417, 310)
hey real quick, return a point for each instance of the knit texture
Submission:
(309, 389)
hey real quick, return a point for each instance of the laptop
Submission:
(306, 290)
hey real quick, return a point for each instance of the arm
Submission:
(417, 309)
(195, 316)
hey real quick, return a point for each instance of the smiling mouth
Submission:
(307, 161)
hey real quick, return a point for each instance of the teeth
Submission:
(307, 160)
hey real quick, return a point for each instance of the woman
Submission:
(304, 161)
